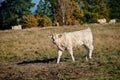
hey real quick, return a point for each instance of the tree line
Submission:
(51, 12)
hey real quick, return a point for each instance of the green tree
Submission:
(94, 9)
(48, 8)
(64, 9)
(78, 14)
(58, 10)
(11, 12)
(114, 9)
(44, 8)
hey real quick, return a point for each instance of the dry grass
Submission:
(34, 44)
(29, 42)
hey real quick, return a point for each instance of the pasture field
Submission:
(29, 54)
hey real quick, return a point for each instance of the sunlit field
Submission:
(29, 54)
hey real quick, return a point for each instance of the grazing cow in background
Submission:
(112, 21)
(18, 27)
(68, 40)
(102, 21)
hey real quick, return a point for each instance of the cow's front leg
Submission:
(59, 56)
(70, 50)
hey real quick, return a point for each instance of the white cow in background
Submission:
(112, 21)
(102, 21)
(17, 27)
(68, 40)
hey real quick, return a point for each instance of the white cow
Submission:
(112, 21)
(68, 40)
(102, 21)
(17, 27)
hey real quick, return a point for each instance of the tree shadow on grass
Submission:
(38, 61)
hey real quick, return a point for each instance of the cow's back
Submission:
(77, 38)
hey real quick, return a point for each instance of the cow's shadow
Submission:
(51, 60)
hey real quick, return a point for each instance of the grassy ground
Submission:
(30, 55)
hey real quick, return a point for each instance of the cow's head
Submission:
(56, 38)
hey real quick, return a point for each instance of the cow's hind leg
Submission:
(89, 49)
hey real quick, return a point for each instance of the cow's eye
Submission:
(53, 39)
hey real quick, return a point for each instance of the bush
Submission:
(55, 23)
(30, 20)
(117, 20)
(44, 21)
(70, 21)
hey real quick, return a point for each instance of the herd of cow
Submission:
(100, 21)
(69, 40)
(103, 21)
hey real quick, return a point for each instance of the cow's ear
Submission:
(60, 35)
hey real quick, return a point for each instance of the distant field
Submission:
(29, 54)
